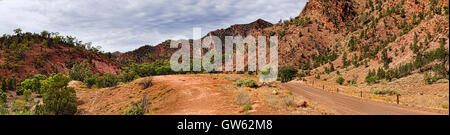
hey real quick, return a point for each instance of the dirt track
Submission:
(348, 105)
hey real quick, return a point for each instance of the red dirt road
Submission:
(348, 105)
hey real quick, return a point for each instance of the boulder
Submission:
(302, 103)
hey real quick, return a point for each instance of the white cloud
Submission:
(119, 25)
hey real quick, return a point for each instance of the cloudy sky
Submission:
(124, 25)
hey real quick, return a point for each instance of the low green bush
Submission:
(384, 92)
(246, 82)
(371, 80)
(3, 109)
(287, 74)
(135, 110)
(340, 80)
(247, 107)
(2, 97)
(107, 80)
(429, 78)
(58, 98)
(442, 81)
(19, 106)
(27, 95)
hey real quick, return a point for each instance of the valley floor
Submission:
(215, 94)
(196, 94)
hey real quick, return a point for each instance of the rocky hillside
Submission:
(24, 54)
(360, 35)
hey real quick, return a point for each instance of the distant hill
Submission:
(163, 51)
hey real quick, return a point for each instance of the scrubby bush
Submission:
(287, 74)
(135, 71)
(33, 84)
(371, 80)
(19, 92)
(317, 76)
(345, 62)
(247, 82)
(386, 59)
(80, 71)
(372, 77)
(3, 109)
(19, 106)
(3, 86)
(135, 110)
(58, 98)
(247, 107)
(340, 80)
(90, 81)
(442, 81)
(2, 97)
(351, 82)
(138, 108)
(27, 95)
(242, 97)
(128, 75)
(107, 80)
(430, 78)
(384, 92)
(145, 83)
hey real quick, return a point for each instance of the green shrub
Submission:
(4, 85)
(287, 74)
(128, 76)
(317, 76)
(19, 92)
(145, 83)
(442, 81)
(247, 82)
(19, 106)
(384, 92)
(80, 71)
(371, 80)
(247, 107)
(386, 59)
(429, 78)
(90, 81)
(135, 71)
(340, 80)
(351, 82)
(27, 95)
(107, 80)
(2, 97)
(58, 98)
(3, 109)
(33, 84)
(135, 110)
